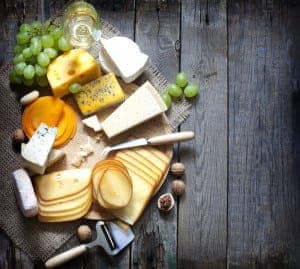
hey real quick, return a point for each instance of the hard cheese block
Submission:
(100, 93)
(124, 55)
(144, 104)
(74, 66)
(143, 184)
(36, 152)
(63, 183)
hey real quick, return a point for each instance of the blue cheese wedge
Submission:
(26, 198)
(36, 152)
(123, 56)
(144, 104)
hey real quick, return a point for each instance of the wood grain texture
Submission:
(263, 183)
(157, 31)
(202, 216)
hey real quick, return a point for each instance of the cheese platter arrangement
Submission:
(100, 145)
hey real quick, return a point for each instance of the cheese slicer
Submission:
(110, 236)
(153, 141)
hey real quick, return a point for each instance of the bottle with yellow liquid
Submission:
(81, 24)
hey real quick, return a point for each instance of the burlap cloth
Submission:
(41, 240)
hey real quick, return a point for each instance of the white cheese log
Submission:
(25, 193)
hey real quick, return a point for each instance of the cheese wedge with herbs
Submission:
(99, 94)
(144, 104)
(63, 183)
(74, 66)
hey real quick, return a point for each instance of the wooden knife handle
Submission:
(65, 256)
(171, 138)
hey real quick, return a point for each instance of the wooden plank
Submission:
(202, 211)
(263, 216)
(157, 32)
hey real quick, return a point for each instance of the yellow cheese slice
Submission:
(115, 188)
(138, 164)
(67, 217)
(144, 161)
(63, 183)
(142, 192)
(67, 212)
(138, 171)
(67, 205)
(159, 154)
(149, 155)
(78, 195)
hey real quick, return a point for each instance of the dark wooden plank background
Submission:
(241, 207)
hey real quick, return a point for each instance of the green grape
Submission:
(167, 99)
(51, 53)
(47, 41)
(43, 59)
(25, 27)
(26, 53)
(23, 38)
(191, 91)
(14, 78)
(181, 80)
(51, 28)
(32, 60)
(75, 88)
(56, 33)
(174, 90)
(18, 59)
(39, 70)
(18, 49)
(28, 72)
(28, 82)
(63, 44)
(19, 68)
(36, 26)
(42, 81)
(35, 39)
(36, 47)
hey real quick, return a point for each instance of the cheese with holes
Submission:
(35, 153)
(122, 55)
(144, 104)
(61, 184)
(74, 66)
(25, 194)
(99, 94)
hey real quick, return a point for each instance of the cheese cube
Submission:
(25, 194)
(35, 153)
(144, 104)
(74, 66)
(124, 55)
(100, 93)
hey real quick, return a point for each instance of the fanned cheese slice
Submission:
(153, 158)
(142, 192)
(63, 183)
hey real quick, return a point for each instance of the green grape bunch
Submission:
(37, 45)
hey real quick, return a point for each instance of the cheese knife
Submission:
(153, 141)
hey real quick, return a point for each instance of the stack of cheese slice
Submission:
(64, 196)
(146, 167)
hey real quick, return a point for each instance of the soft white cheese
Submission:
(93, 123)
(25, 194)
(125, 57)
(144, 104)
(35, 153)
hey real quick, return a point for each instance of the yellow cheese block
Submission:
(149, 155)
(99, 94)
(142, 192)
(67, 205)
(142, 174)
(140, 166)
(67, 212)
(145, 161)
(77, 195)
(74, 66)
(67, 217)
(63, 183)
